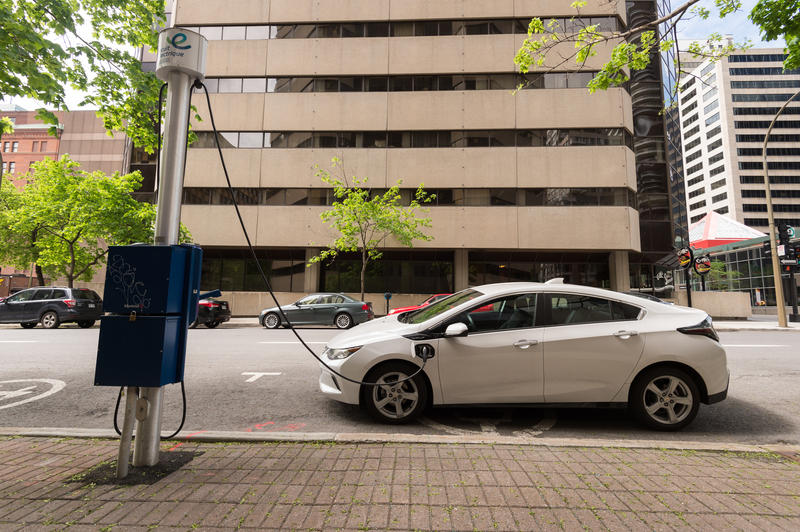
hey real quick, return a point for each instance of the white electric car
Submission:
(548, 344)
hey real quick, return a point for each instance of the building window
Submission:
(688, 97)
(722, 210)
(398, 271)
(696, 193)
(718, 170)
(12, 167)
(695, 168)
(695, 129)
(776, 71)
(718, 184)
(767, 84)
(706, 69)
(14, 147)
(710, 107)
(35, 146)
(6, 146)
(714, 158)
(714, 145)
(710, 94)
(749, 58)
(713, 132)
(711, 119)
(719, 197)
(701, 203)
(4, 167)
(43, 146)
(693, 156)
(772, 138)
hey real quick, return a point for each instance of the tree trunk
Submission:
(39, 275)
(363, 271)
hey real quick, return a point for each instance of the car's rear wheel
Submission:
(391, 401)
(29, 325)
(271, 321)
(211, 324)
(343, 320)
(50, 320)
(85, 324)
(665, 398)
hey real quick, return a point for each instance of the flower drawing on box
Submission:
(123, 275)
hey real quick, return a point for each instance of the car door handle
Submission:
(626, 334)
(525, 344)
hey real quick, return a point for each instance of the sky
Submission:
(690, 27)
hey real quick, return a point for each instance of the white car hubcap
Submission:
(271, 321)
(395, 400)
(668, 399)
(48, 320)
(343, 321)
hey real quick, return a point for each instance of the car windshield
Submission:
(443, 305)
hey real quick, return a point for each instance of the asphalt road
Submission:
(257, 380)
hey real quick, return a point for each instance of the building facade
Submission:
(725, 109)
(547, 181)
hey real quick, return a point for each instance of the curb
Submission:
(368, 437)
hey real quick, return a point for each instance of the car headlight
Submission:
(339, 354)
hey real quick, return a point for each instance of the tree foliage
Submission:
(366, 219)
(635, 47)
(64, 219)
(46, 45)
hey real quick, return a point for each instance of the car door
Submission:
(35, 305)
(302, 312)
(325, 307)
(13, 310)
(500, 358)
(591, 346)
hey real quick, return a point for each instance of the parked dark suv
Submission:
(51, 306)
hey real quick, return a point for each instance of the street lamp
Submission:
(776, 269)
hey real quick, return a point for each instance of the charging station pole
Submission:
(181, 61)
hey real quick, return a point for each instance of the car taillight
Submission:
(704, 328)
(69, 302)
(364, 307)
(209, 304)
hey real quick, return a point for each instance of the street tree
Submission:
(637, 46)
(64, 219)
(47, 45)
(365, 218)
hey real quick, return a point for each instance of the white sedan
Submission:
(548, 344)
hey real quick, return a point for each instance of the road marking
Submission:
(488, 426)
(297, 343)
(755, 345)
(257, 375)
(19, 341)
(56, 386)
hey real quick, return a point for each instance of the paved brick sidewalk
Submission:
(52, 484)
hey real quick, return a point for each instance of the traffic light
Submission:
(783, 233)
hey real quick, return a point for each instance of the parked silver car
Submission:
(320, 309)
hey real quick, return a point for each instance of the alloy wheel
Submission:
(668, 399)
(343, 321)
(393, 400)
(271, 321)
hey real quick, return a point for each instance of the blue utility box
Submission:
(151, 293)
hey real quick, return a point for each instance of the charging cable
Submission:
(198, 84)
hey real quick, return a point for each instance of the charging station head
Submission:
(181, 50)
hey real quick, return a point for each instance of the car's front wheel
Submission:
(28, 325)
(665, 398)
(271, 321)
(343, 320)
(85, 324)
(394, 398)
(50, 320)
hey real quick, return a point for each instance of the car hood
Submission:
(275, 309)
(373, 331)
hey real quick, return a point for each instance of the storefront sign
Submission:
(702, 265)
(685, 257)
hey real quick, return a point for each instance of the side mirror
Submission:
(455, 329)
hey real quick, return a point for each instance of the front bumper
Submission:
(336, 387)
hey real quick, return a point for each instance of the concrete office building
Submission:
(725, 109)
(550, 181)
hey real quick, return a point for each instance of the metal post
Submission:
(689, 286)
(793, 295)
(168, 221)
(131, 395)
(181, 60)
(776, 269)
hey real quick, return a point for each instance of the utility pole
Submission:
(776, 267)
(181, 61)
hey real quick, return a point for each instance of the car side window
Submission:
(573, 309)
(506, 313)
(59, 294)
(308, 300)
(42, 294)
(19, 297)
(337, 299)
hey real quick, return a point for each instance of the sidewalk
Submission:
(52, 484)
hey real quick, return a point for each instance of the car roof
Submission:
(499, 289)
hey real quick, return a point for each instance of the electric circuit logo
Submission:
(177, 40)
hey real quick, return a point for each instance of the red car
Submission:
(425, 303)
